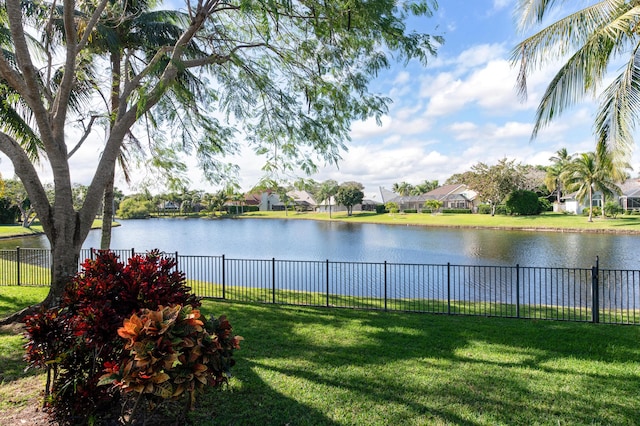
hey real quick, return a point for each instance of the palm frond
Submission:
(584, 70)
(607, 21)
(619, 109)
(533, 11)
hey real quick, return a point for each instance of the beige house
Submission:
(456, 196)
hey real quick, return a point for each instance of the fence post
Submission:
(518, 290)
(327, 281)
(177, 269)
(595, 293)
(224, 278)
(133, 252)
(385, 285)
(273, 280)
(448, 288)
(18, 263)
(91, 253)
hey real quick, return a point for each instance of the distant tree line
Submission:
(519, 189)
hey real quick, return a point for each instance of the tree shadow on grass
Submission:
(12, 363)
(446, 381)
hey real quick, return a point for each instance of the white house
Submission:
(302, 200)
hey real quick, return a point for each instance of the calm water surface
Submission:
(313, 240)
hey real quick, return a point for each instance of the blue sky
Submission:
(460, 109)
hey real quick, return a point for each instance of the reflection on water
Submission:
(339, 241)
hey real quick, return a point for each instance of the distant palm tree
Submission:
(591, 39)
(327, 189)
(424, 187)
(552, 179)
(584, 174)
(403, 188)
(615, 171)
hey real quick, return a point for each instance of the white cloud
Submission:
(369, 128)
(479, 55)
(403, 77)
(487, 87)
(501, 4)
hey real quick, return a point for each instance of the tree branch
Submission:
(91, 25)
(27, 87)
(27, 173)
(87, 132)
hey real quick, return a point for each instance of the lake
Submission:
(340, 241)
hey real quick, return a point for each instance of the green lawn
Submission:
(7, 231)
(548, 221)
(318, 366)
(19, 230)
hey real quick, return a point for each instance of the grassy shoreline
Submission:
(548, 222)
(18, 231)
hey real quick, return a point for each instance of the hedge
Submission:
(457, 211)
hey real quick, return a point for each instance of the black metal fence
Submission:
(570, 294)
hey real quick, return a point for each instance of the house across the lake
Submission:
(270, 201)
(629, 199)
(330, 204)
(456, 196)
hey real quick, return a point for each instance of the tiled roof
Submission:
(441, 191)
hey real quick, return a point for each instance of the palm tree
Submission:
(552, 179)
(424, 187)
(592, 38)
(327, 189)
(612, 170)
(585, 174)
(403, 188)
(130, 35)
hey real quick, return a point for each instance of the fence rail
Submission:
(569, 294)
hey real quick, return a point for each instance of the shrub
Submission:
(525, 203)
(545, 204)
(457, 211)
(173, 353)
(131, 208)
(501, 209)
(484, 209)
(94, 305)
(391, 207)
(597, 211)
(613, 209)
(410, 211)
(433, 205)
(8, 212)
(380, 209)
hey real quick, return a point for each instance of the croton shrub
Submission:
(126, 332)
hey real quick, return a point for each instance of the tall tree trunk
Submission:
(590, 206)
(66, 242)
(107, 214)
(107, 206)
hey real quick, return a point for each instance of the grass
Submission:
(318, 366)
(17, 230)
(29, 274)
(548, 221)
